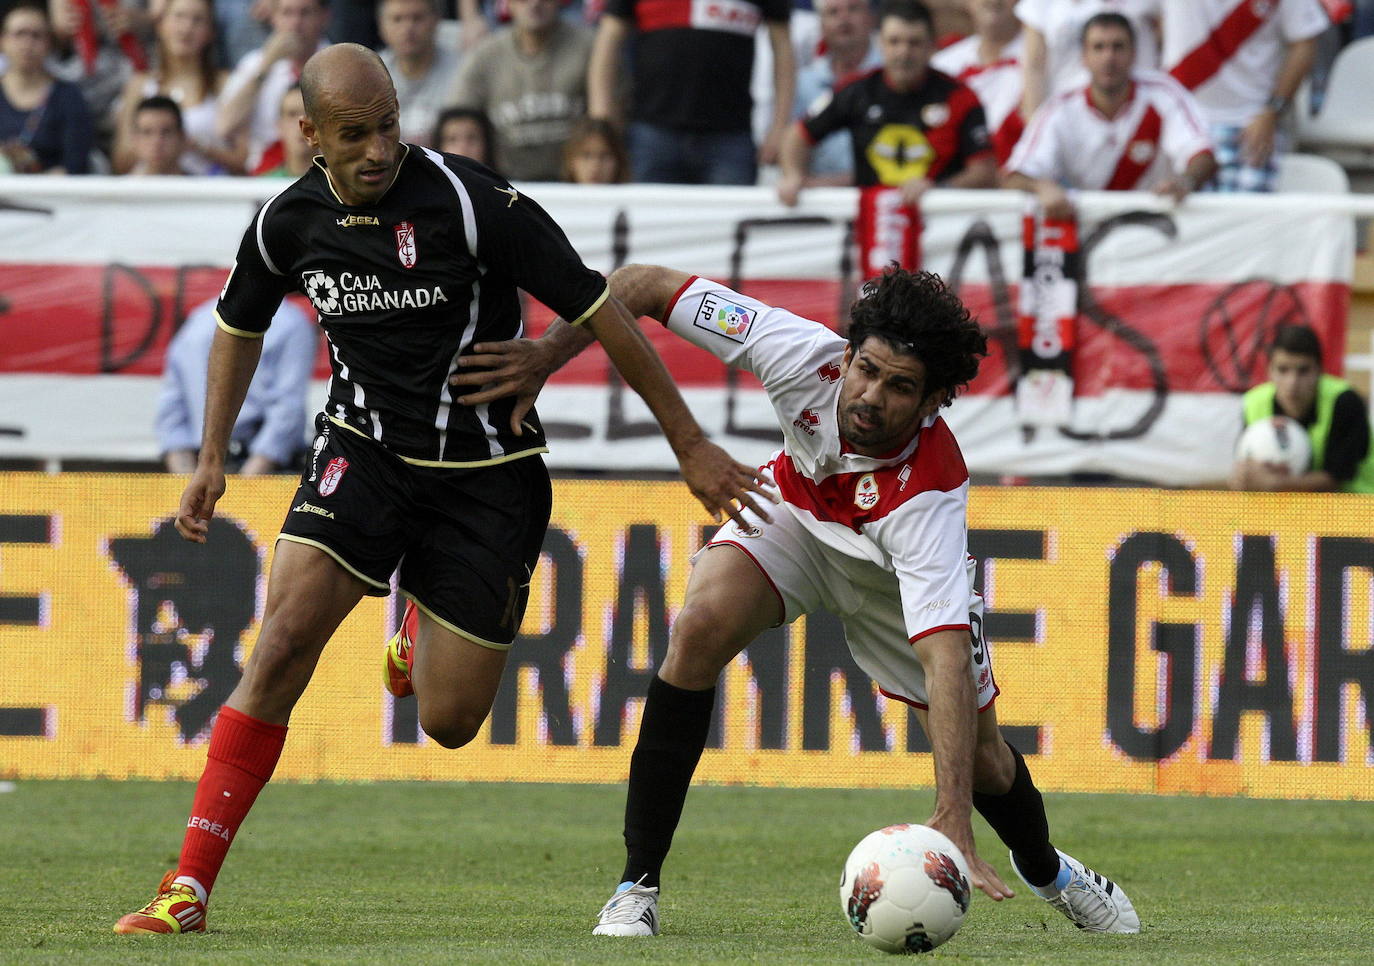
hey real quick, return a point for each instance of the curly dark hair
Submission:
(917, 315)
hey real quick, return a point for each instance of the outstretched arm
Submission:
(953, 731)
(520, 367)
(714, 478)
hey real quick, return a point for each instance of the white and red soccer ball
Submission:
(905, 889)
(1277, 441)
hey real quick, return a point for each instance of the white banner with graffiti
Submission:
(1175, 305)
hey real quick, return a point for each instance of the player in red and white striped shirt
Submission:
(872, 527)
(1125, 131)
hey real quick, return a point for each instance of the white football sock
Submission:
(194, 883)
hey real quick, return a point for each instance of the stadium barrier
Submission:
(1144, 641)
(1176, 304)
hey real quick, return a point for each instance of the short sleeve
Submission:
(777, 11)
(255, 286)
(1034, 14)
(927, 540)
(1301, 20)
(624, 9)
(1036, 155)
(827, 115)
(1185, 131)
(747, 334)
(517, 239)
(469, 87)
(974, 140)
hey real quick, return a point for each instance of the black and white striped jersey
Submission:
(404, 287)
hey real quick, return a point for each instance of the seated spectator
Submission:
(251, 99)
(1334, 415)
(44, 125)
(422, 71)
(595, 154)
(183, 68)
(846, 49)
(269, 433)
(1128, 130)
(691, 120)
(531, 80)
(295, 151)
(989, 62)
(159, 140)
(912, 127)
(462, 130)
(1053, 38)
(1244, 65)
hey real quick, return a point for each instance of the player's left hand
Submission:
(984, 876)
(516, 367)
(724, 486)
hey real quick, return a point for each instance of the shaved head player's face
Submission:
(353, 119)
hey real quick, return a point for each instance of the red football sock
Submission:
(243, 753)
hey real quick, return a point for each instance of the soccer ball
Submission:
(905, 889)
(1278, 440)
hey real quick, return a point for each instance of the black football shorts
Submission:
(466, 538)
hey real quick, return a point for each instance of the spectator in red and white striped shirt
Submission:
(989, 62)
(1127, 130)
(1243, 61)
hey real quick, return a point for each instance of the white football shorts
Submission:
(808, 575)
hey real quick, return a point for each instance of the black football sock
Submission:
(1018, 818)
(672, 735)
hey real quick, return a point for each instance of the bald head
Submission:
(343, 76)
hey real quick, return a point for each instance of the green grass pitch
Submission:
(439, 873)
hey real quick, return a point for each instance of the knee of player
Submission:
(452, 731)
(280, 645)
(698, 629)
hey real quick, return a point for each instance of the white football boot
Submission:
(1090, 900)
(632, 911)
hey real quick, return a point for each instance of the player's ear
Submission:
(308, 129)
(933, 402)
(848, 357)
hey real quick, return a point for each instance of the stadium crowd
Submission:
(670, 91)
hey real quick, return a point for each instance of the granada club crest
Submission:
(332, 475)
(866, 492)
(405, 244)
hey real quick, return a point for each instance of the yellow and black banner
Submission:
(1144, 641)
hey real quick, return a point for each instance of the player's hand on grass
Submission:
(517, 367)
(984, 876)
(198, 503)
(724, 486)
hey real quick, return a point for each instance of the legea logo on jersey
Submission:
(724, 317)
(352, 294)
